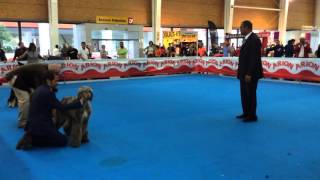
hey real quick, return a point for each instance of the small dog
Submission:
(75, 122)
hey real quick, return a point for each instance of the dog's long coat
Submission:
(75, 122)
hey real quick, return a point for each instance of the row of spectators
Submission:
(85, 52)
(183, 49)
(30, 54)
(300, 50)
(67, 52)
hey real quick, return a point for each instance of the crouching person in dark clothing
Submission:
(40, 129)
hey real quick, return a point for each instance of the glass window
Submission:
(147, 36)
(30, 33)
(112, 38)
(66, 34)
(9, 38)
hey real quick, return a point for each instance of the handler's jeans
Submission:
(23, 103)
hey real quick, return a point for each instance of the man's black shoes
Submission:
(246, 118)
(250, 119)
(242, 116)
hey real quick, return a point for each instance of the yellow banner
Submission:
(171, 37)
(177, 37)
(111, 20)
(189, 37)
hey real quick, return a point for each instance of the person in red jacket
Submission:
(302, 49)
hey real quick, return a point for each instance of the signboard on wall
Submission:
(189, 37)
(177, 37)
(171, 37)
(234, 36)
(113, 20)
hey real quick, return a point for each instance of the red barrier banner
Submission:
(288, 68)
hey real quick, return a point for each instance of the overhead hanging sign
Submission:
(112, 20)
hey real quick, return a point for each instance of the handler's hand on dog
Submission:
(81, 100)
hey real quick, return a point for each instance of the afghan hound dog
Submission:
(75, 121)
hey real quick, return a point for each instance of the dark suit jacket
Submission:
(42, 102)
(250, 58)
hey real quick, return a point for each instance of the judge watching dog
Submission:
(249, 72)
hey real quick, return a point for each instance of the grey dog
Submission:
(75, 122)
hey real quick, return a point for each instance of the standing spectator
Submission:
(192, 50)
(202, 51)
(20, 51)
(12, 100)
(302, 49)
(122, 51)
(171, 50)
(318, 52)
(103, 52)
(32, 54)
(249, 72)
(278, 49)
(237, 52)
(289, 48)
(184, 49)
(90, 51)
(150, 50)
(3, 57)
(163, 52)
(157, 51)
(228, 50)
(232, 50)
(72, 53)
(64, 51)
(83, 52)
(56, 51)
(178, 50)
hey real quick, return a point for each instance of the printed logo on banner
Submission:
(308, 64)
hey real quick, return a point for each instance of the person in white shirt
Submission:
(103, 52)
(150, 50)
(302, 49)
(56, 51)
(83, 52)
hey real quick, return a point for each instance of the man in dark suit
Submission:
(249, 72)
